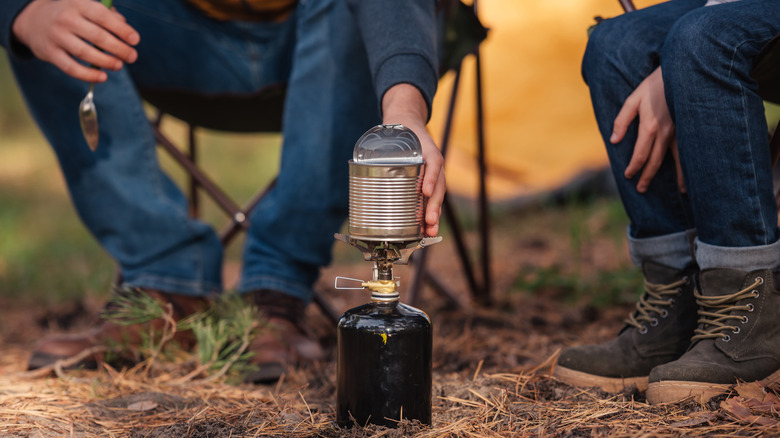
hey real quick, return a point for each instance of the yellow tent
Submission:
(539, 126)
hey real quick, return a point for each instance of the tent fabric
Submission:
(540, 131)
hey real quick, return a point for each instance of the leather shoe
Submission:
(281, 341)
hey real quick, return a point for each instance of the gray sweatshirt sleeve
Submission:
(400, 39)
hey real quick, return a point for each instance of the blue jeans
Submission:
(706, 54)
(134, 209)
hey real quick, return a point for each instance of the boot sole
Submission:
(606, 384)
(671, 391)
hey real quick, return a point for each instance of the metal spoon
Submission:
(88, 118)
(87, 110)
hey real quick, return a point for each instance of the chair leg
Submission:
(424, 275)
(419, 262)
(628, 5)
(240, 221)
(203, 181)
(194, 204)
(483, 295)
(480, 292)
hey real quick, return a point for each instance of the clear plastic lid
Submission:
(388, 144)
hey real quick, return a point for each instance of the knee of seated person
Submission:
(611, 44)
(695, 39)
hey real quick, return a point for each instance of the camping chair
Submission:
(766, 71)
(262, 113)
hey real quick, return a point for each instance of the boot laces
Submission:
(716, 313)
(653, 302)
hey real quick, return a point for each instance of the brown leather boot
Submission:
(281, 340)
(120, 341)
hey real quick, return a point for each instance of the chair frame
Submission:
(199, 180)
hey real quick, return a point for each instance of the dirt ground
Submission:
(491, 371)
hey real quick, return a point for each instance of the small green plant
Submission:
(223, 336)
(223, 332)
(129, 306)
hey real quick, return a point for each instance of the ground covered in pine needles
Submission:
(473, 397)
(491, 364)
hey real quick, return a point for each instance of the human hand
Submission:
(404, 104)
(656, 132)
(57, 31)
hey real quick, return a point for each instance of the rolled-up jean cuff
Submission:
(746, 258)
(672, 250)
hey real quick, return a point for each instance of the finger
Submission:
(434, 165)
(624, 118)
(118, 15)
(106, 42)
(651, 167)
(90, 54)
(433, 207)
(73, 68)
(119, 27)
(642, 150)
(432, 230)
(113, 21)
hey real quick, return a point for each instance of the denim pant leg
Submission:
(132, 208)
(330, 103)
(621, 52)
(722, 130)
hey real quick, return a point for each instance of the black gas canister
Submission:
(384, 365)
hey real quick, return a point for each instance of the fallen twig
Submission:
(61, 364)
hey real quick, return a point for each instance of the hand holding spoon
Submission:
(88, 111)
